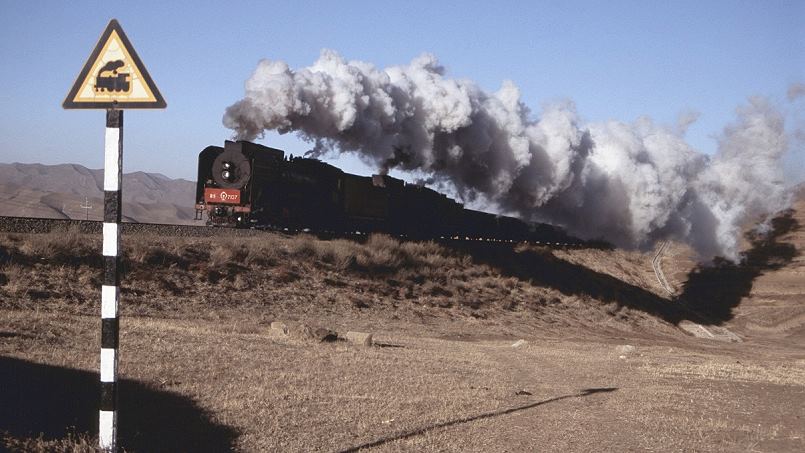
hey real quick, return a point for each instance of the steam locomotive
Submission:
(110, 80)
(246, 184)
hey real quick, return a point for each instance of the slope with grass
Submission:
(604, 365)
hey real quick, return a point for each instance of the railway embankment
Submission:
(198, 349)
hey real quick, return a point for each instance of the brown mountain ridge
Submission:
(61, 192)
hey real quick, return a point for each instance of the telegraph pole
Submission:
(86, 206)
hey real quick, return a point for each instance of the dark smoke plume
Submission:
(631, 184)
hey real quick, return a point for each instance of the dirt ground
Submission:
(604, 366)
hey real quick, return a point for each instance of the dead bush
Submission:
(303, 246)
(160, 256)
(379, 242)
(422, 250)
(15, 279)
(339, 253)
(285, 274)
(157, 252)
(228, 252)
(68, 247)
(380, 254)
(12, 238)
(241, 282)
(436, 289)
(195, 253)
(263, 254)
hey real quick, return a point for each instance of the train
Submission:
(110, 80)
(245, 184)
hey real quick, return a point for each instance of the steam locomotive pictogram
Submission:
(110, 80)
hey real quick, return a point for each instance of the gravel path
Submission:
(43, 226)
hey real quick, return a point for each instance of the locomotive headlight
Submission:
(227, 165)
(226, 175)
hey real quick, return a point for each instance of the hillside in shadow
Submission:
(710, 294)
(715, 289)
(54, 401)
(542, 268)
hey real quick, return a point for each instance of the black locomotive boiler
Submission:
(246, 184)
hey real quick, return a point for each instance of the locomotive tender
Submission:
(246, 184)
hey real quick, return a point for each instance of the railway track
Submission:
(657, 265)
(696, 325)
(31, 225)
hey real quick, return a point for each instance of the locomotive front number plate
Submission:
(228, 196)
(114, 77)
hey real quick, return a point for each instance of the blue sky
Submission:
(615, 59)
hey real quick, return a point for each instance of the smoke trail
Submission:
(796, 90)
(631, 184)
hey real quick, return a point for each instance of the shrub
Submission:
(381, 253)
(303, 245)
(65, 247)
(263, 254)
(339, 253)
(228, 252)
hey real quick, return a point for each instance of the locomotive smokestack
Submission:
(401, 156)
(631, 184)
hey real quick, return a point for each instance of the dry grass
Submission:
(428, 394)
(200, 358)
(59, 248)
(72, 443)
(629, 266)
(791, 373)
(236, 268)
(381, 277)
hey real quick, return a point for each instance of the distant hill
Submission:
(59, 191)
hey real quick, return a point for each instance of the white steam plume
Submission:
(631, 184)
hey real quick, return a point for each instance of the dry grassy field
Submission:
(604, 365)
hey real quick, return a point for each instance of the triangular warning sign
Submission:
(114, 77)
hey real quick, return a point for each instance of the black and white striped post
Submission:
(113, 78)
(110, 289)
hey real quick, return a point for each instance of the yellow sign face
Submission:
(114, 77)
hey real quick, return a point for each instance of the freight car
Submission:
(245, 184)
